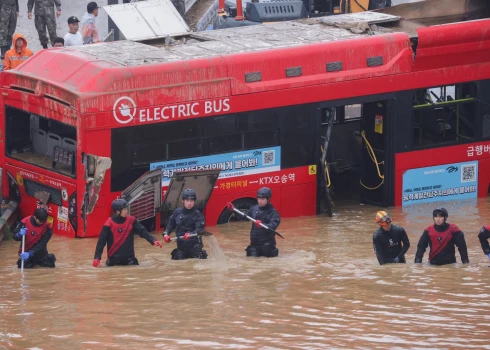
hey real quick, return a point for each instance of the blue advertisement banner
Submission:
(256, 161)
(440, 183)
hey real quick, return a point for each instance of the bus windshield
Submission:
(40, 141)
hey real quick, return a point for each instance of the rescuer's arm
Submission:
(483, 236)
(171, 225)
(274, 221)
(143, 232)
(43, 242)
(199, 223)
(102, 241)
(378, 249)
(422, 246)
(406, 243)
(15, 234)
(461, 244)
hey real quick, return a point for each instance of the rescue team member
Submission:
(262, 241)
(390, 241)
(483, 236)
(442, 237)
(186, 221)
(38, 233)
(118, 233)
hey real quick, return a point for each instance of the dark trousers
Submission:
(267, 250)
(46, 260)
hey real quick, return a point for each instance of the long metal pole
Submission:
(23, 247)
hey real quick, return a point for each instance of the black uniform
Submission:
(39, 252)
(262, 241)
(185, 220)
(125, 254)
(448, 254)
(483, 236)
(391, 244)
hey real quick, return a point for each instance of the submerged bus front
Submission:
(39, 151)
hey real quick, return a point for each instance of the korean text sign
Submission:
(439, 183)
(233, 164)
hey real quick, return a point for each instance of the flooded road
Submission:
(324, 291)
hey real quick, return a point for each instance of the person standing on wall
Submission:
(45, 18)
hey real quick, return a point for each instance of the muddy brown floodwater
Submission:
(324, 291)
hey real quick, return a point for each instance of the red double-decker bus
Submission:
(386, 116)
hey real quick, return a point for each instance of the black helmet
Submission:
(264, 192)
(189, 193)
(441, 212)
(119, 204)
(41, 214)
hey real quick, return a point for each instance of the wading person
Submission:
(442, 237)
(118, 233)
(483, 236)
(37, 234)
(188, 223)
(390, 241)
(263, 241)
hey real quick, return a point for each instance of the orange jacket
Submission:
(13, 59)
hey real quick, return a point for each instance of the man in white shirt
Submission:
(73, 37)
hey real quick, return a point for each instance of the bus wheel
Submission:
(242, 204)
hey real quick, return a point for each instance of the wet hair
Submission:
(41, 214)
(59, 40)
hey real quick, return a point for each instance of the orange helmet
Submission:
(383, 218)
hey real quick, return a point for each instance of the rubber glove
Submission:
(166, 238)
(158, 244)
(25, 256)
(22, 231)
(258, 223)
(96, 262)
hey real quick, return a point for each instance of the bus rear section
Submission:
(40, 163)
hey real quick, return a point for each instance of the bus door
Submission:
(95, 169)
(373, 153)
(145, 197)
(202, 182)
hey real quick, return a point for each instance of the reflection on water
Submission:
(324, 291)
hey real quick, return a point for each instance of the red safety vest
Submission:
(34, 233)
(120, 232)
(440, 240)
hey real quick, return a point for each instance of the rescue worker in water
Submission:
(262, 241)
(483, 236)
(188, 223)
(442, 237)
(390, 241)
(37, 234)
(118, 233)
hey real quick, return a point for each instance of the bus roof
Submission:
(239, 40)
(244, 60)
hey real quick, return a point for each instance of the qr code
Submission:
(269, 157)
(468, 173)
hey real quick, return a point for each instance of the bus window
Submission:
(353, 112)
(39, 141)
(444, 114)
(184, 149)
(259, 139)
(224, 144)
